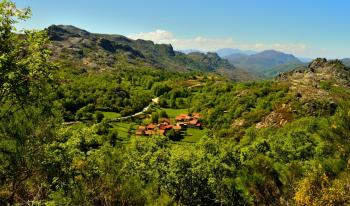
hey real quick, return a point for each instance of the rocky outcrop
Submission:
(318, 72)
(274, 119)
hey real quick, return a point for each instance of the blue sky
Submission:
(303, 27)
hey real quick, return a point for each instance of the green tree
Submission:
(24, 59)
(155, 117)
(172, 103)
(160, 88)
(27, 123)
(163, 114)
(99, 116)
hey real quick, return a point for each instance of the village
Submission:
(164, 126)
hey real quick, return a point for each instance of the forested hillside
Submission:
(72, 102)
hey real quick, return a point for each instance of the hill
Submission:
(262, 63)
(98, 51)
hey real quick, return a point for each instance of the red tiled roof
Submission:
(165, 127)
(151, 126)
(196, 115)
(178, 127)
(182, 117)
(168, 127)
(193, 122)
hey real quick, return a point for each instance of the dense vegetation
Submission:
(278, 142)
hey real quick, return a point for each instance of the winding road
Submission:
(154, 101)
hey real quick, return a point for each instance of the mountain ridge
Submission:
(108, 50)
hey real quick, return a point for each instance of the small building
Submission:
(196, 115)
(185, 120)
(193, 123)
(151, 127)
(165, 127)
(140, 130)
(182, 118)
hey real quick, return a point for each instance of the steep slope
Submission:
(262, 63)
(102, 51)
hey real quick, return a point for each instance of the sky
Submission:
(305, 28)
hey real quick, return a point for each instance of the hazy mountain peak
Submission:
(264, 63)
(346, 62)
(224, 52)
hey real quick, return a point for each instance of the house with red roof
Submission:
(182, 121)
(189, 120)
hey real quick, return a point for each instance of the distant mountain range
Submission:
(346, 62)
(102, 51)
(225, 52)
(229, 51)
(188, 51)
(305, 60)
(266, 63)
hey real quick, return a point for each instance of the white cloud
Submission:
(212, 44)
(200, 43)
(158, 36)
